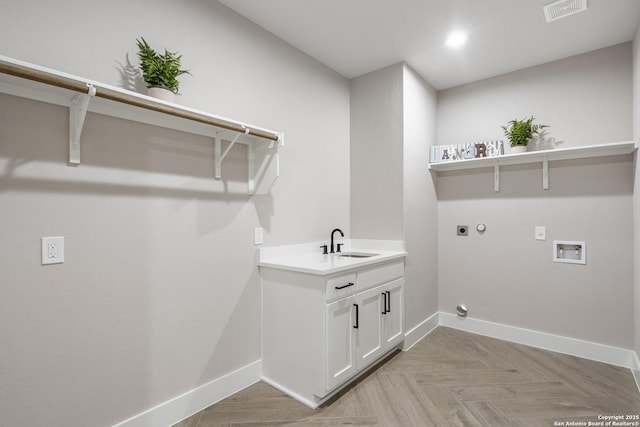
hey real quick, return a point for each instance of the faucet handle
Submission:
(325, 249)
(339, 246)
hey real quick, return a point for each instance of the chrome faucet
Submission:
(339, 244)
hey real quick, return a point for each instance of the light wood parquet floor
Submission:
(450, 378)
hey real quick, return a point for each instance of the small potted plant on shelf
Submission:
(160, 72)
(520, 132)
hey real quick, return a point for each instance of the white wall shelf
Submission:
(80, 95)
(542, 156)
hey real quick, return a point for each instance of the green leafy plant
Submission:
(520, 132)
(160, 70)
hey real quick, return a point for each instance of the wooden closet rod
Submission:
(114, 95)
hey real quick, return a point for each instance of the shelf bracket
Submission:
(496, 178)
(263, 163)
(231, 144)
(545, 173)
(77, 113)
(219, 156)
(264, 166)
(217, 149)
(251, 177)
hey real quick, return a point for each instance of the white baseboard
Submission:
(636, 369)
(585, 349)
(189, 403)
(310, 403)
(423, 329)
(177, 409)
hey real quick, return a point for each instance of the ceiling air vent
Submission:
(563, 8)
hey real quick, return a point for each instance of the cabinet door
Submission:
(340, 342)
(393, 318)
(369, 333)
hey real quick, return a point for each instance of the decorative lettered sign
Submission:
(456, 152)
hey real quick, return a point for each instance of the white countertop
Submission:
(308, 258)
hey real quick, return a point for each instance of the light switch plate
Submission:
(541, 233)
(258, 236)
(52, 250)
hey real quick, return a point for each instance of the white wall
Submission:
(506, 276)
(393, 114)
(636, 194)
(586, 99)
(420, 203)
(376, 155)
(159, 292)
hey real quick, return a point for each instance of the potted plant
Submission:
(160, 72)
(519, 132)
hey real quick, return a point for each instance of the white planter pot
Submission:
(161, 93)
(518, 149)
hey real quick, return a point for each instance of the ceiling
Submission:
(354, 37)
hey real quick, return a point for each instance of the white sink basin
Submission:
(355, 254)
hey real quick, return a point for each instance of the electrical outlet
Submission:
(541, 233)
(52, 250)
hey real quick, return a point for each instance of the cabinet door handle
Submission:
(384, 303)
(356, 325)
(388, 299)
(345, 286)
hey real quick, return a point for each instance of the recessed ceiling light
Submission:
(456, 39)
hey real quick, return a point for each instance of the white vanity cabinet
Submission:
(340, 342)
(379, 322)
(320, 331)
